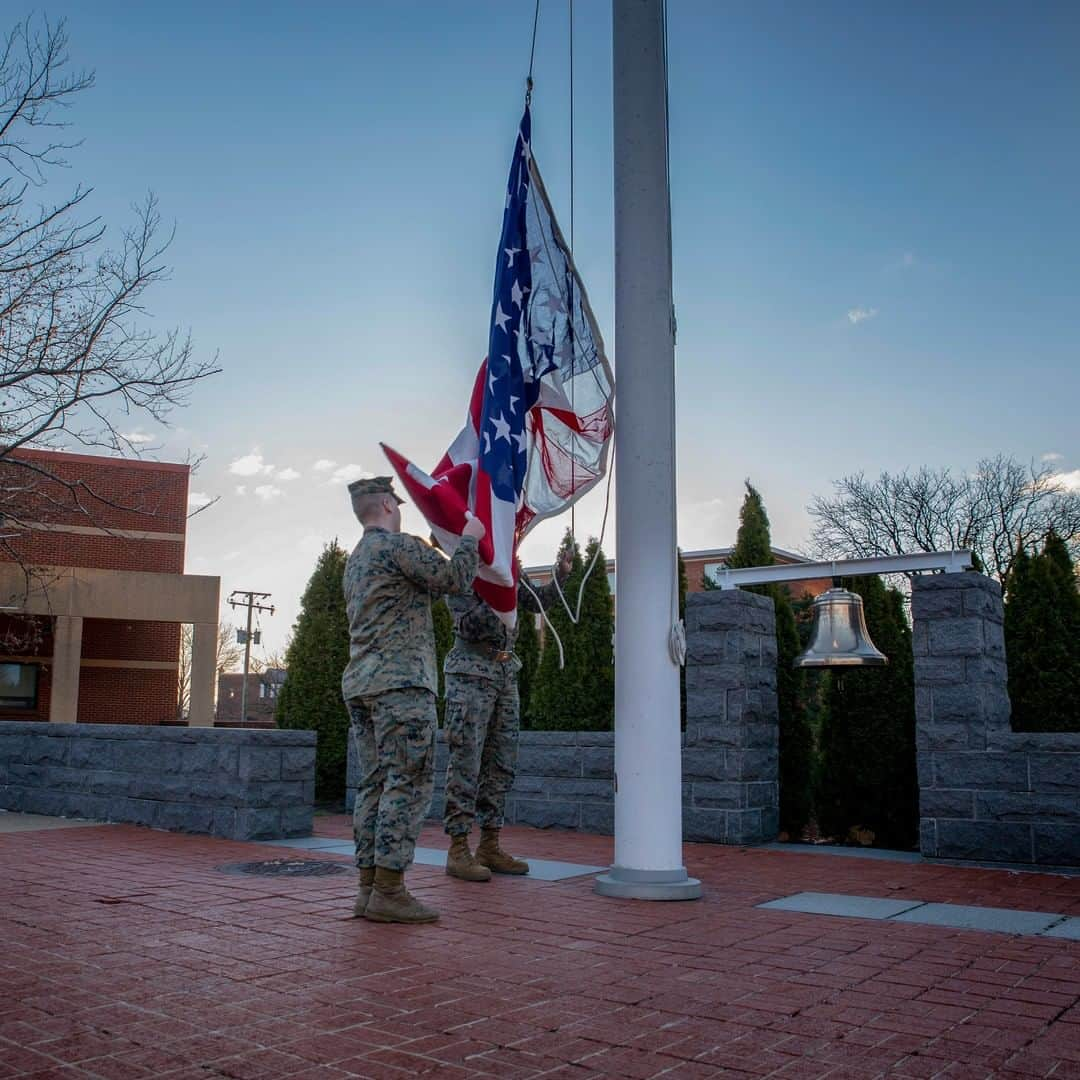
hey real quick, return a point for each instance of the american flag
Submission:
(540, 418)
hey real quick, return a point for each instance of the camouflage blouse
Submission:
(390, 580)
(478, 631)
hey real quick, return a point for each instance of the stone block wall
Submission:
(731, 760)
(240, 784)
(564, 779)
(985, 792)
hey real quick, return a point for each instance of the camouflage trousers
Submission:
(395, 744)
(482, 723)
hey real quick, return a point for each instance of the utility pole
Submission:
(251, 600)
(648, 767)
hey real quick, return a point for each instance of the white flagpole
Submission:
(648, 766)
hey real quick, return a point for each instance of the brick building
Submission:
(262, 693)
(93, 591)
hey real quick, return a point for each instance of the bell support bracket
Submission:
(920, 561)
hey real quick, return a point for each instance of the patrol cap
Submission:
(374, 485)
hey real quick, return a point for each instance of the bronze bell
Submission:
(840, 638)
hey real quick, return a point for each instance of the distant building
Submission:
(93, 592)
(262, 695)
(705, 564)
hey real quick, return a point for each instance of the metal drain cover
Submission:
(285, 868)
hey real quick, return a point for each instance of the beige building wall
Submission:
(71, 594)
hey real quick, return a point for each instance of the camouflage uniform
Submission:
(390, 682)
(483, 709)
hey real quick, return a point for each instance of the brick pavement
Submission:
(125, 953)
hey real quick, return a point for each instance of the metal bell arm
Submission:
(951, 562)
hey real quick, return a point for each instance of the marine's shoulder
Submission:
(384, 540)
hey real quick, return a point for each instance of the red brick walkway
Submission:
(126, 953)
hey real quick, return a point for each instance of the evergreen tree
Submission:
(1042, 640)
(528, 652)
(554, 702)
(1056, 553)
(595, 647)
(815, 689)
(753, 543)
(796, 739)
(868, 776)
(753, 547)
(443, 624)
(318, 652)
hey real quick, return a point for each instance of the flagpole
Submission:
(648, 745)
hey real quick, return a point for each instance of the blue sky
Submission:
(874, 213)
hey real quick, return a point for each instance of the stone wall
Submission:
(986, 793)
(240, 784)
(564, 778)
(731, 790)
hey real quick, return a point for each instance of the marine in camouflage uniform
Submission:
(483, 720)
(390, 682)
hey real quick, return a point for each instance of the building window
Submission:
(712, 570)
(18, 686)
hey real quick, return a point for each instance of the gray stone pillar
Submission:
(731, 791)
(961, 699)
(985, 792)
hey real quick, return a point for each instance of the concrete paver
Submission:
(12, 822)
(1067, 928)
(539, 869)
(126, 953)
(857, 907)
(968, 917)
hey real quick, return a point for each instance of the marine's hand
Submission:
(565, 564)
(474, 527)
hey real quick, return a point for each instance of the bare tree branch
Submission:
(995, 511)
(78, 360)
(229, 655)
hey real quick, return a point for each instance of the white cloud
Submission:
(324, 465)
(137, 437)
(346, 474)
(196, 499)
(1069, 480)
(1052, 455)
(908, 258)
(250, 465)
(286, 474)
(858, 314)
(266, 492)
(241, 489)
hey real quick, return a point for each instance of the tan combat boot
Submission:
(460, 862)
(492, 856)
(391, 901)
(363, 891)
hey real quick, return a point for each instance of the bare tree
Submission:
(997, 509)
(229, 655)
(77, 362)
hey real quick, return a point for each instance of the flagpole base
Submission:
(624, 883)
